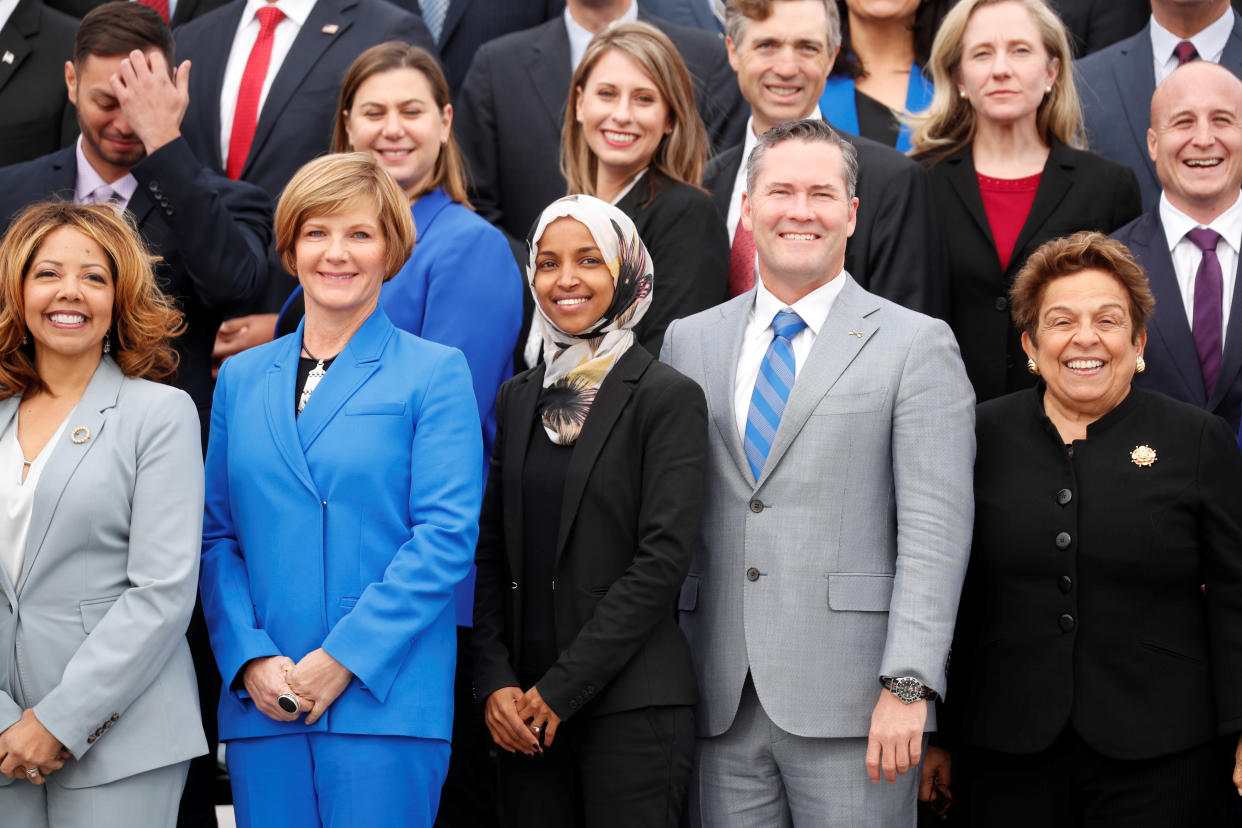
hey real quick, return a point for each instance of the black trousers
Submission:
(1069, 784)
(627, 769)
(469, 797)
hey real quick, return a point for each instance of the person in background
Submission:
(592, 505)
(878, 73)
(344, 479)
(101, 489)
(1003, 142)
(633, 139)
(1098, 646)
(38, 117)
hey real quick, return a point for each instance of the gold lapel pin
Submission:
(80, 434)
(1143, 455)
(856, 333)
(330, 28)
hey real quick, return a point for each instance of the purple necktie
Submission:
(1185, 52)
(1209, 287)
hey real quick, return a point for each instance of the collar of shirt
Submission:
(7, 7)
(580, 37)
(1209, 42)
(813, 308)
(739, 181)
(1186, 255)
(1177, 224)
(88, 181)
(295, 10)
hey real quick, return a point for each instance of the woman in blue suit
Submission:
(344, 478)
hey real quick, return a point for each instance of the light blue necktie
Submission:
(434, 12)
(772, 387)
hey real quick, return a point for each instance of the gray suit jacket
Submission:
(844, 561)
(92, 635)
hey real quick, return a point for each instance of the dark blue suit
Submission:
(1172, 362)
(1116, 85)
(461, 37)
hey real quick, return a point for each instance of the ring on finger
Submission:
(288, 702)
(32, 772)
(537, 728)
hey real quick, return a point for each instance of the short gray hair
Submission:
(738, 14)
(811, 130)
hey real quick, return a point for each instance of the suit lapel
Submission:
(1135, 89)
(614, 394)
(89, 414)
(15, 39)
(1056, 180)
(960, 167)
(140, 206)
(549, 71)
(835, 347)
(456, 12)
(279, 398)
(720, 373)
(1169, 323)
(519, 420)
(722, 187)
(8, 410)
(312, 41)
(1231, 362)
(209, 72)
(351, 368)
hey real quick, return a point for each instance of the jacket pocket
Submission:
(851, 403)
(1171, 653)
(94, 610)
(348, 603)
(390, 408)
(688, 598)
(859, 591)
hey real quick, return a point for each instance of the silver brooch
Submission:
(1143, 455)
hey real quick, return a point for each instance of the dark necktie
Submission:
(741, 261)
(246, 115)
(1209, 287)
(1185, 52)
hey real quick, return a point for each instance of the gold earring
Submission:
(1140, 365)
(1031, 367)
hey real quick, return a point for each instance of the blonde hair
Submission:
(332, 184)
(680, 155)
(449, 172)
(144, 320)
(949, 123)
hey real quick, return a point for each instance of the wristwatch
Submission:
(907, 688)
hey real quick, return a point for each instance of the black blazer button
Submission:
(1066, 622)
(1064, 496)
(1063, 540)
(756, 506)
(1001, 303)
(752, 574)
(1065, 584)
(154, 186)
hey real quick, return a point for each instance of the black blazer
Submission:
(185, 10)
(1172, 361)
(211, 233)
(633, 498)
(512, 107)
(1078, 191)
(1082, 604)
(468, 24)
(38, 118)
(894, 252)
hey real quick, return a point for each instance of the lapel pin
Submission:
(8, 57)
(330, 28)
(856, 333)
(80, 435)
(1143, 455)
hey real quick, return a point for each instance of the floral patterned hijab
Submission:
(576, 364)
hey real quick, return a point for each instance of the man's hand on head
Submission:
(152, 98)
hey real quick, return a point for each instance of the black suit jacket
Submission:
(1172, 361)
(185, 11)
(894, 252)
(1106, 629)
(469, 24)
(1094, 24)
(512, 107)
(1116, 85)
(211, 233)
(38, 118)
(633, 497)
(1078, 191)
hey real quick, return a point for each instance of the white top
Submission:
(90, 188)
(17, 497)
(7, 7)
(758, 333)
(1209, 42)
(296, 12)
(1187, 255)
(580, 37)
(739, 182)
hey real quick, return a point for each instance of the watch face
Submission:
(907, 688)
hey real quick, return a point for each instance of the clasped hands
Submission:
(316, 680)
(517, 720)
(27, 744)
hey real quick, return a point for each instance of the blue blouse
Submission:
(838, 107)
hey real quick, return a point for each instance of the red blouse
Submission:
(1007, 201)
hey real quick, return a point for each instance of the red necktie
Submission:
(247, 112)
(741, 261)
(1185, 52)
(160, 6)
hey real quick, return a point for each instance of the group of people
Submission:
(734, 546)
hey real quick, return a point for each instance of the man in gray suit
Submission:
(838, 520)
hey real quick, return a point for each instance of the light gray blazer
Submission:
(92, 635)
(858, 529)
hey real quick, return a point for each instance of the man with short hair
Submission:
(1117, 83)
(820, 603)
(781, 51)
(1190, 241)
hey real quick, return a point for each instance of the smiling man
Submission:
(1189, 243)
(820, 605)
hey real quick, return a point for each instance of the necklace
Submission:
(312, 379)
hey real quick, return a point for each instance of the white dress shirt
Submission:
(7, 8)
(1209, 42)
(739, 181)
(580, 37)
(17, 496)
(757, 336)
(90, 188)
(1187, 255)
(296, 12)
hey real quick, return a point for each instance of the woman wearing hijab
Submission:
(592, 505)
